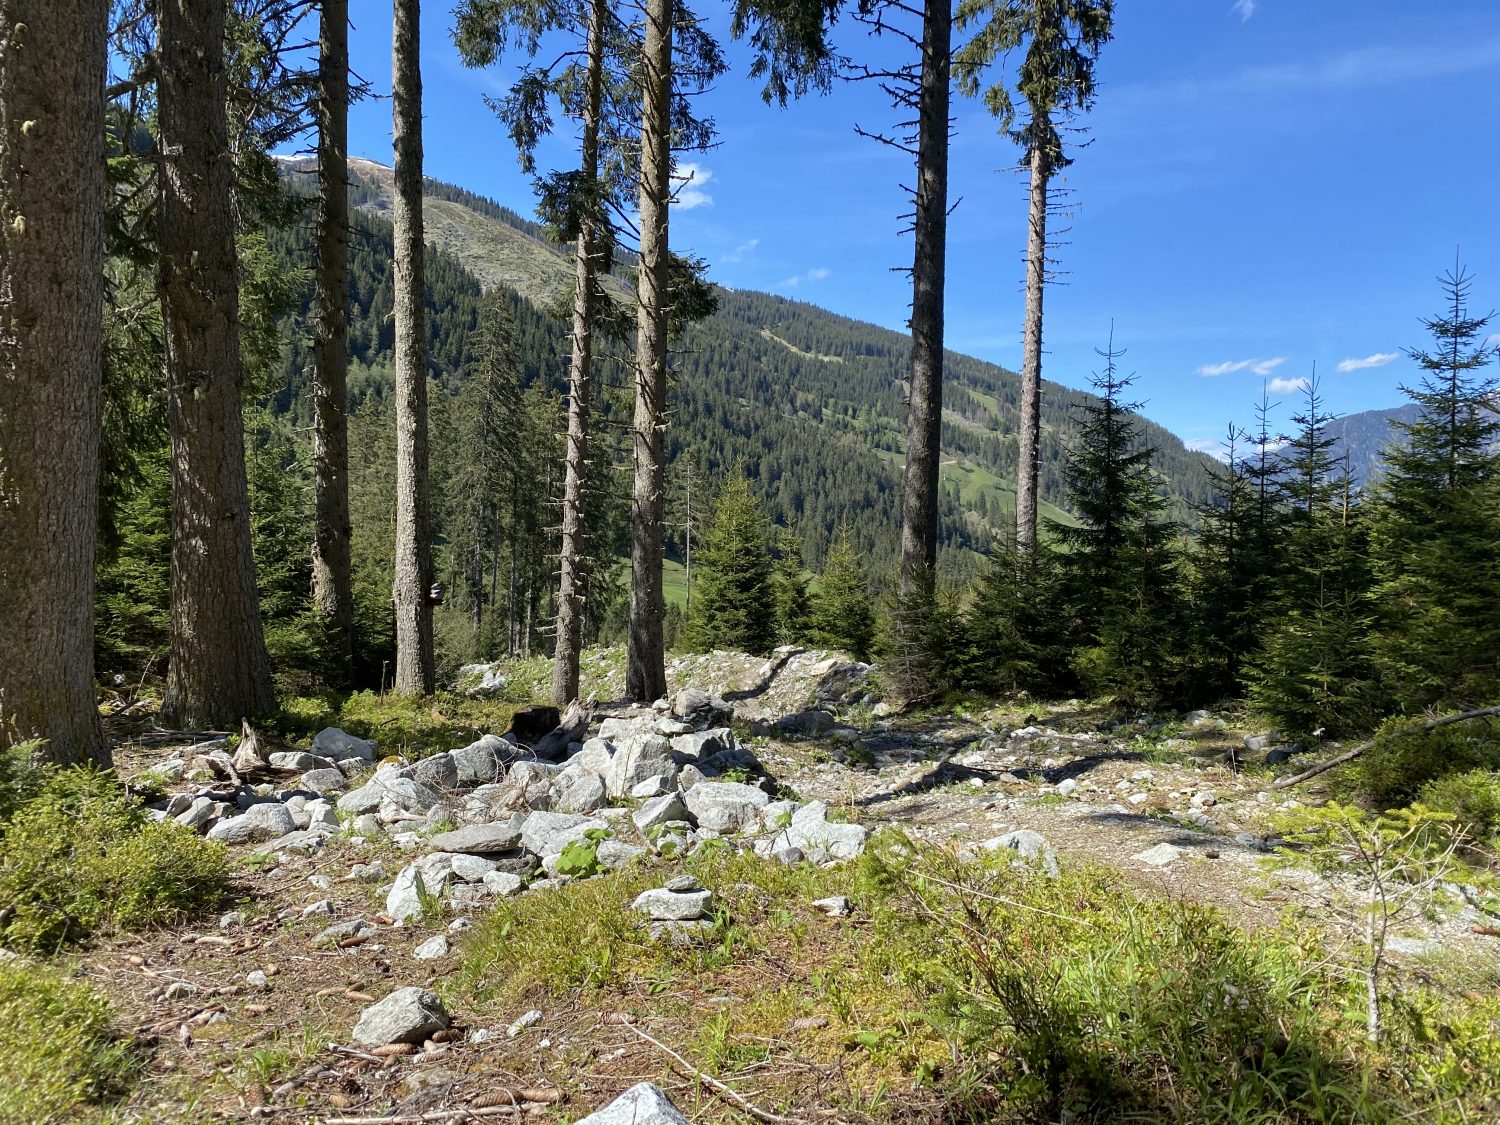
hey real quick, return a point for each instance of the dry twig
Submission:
(711, 1082)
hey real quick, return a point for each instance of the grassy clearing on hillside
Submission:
(973, 991)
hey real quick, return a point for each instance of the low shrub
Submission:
(1473, 800)
(1404, 759)
(81, 856)
(60, 1055)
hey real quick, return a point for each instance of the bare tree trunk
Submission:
(919, 487)
(218, 672)
(413, 579)
(332, 594)
(1031, 357)
(52, 195)
(645, 663)
(569, 645)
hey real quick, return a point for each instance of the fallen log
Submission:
(1350, 755)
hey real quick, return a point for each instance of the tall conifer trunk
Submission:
(52, 194)
(413, 579)
(218, 671)
(919, 489)
(580, 388)
(1031, 357)
(645, 666)
(332, 594)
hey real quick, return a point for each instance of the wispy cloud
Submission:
(688, 182)
(1355, 68)
(817, 273)
(1244, 9)
(1286, 386)
(740, 252)
(1214, 447)
(1379, 359)
(1234, 366)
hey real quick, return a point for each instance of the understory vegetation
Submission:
(975, 990)
(62, 1054)
(79, 857)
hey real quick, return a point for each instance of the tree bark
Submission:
(580, 389)
(218, 672)
(52, 193)
(332, 593)
(645, 663)
(413, 579)
(919, 488)
(1031, 356)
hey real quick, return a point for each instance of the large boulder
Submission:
(658, 811)
(724, 807)
(427, 877)
(704, 744)
(480, 763)
(438, 772)
(1032, 847)
(390, 783)
(324, 781)
(643, 1104)
(331, 742)
(267, 821)
(699, 708)
(578, 791)
(408, 1015)
(639, 758)
(548, 833)
(477, 839)
(810, 828)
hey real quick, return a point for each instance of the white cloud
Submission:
(740, 252)
(1232, 366)
(1214, 447)
(1495, 339)
(1286, 386)
(817, 273)
(1245, 9)
(688, 181)
(1379, 359)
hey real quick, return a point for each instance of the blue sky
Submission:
(1268, 184)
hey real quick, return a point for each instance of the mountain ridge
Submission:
(811, 401)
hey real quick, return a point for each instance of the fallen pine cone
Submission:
(392, 1050)
(495, 1098)
(546, 1096)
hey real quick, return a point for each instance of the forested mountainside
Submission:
(812, 402)
(1365, 438)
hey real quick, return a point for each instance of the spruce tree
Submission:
(1232, 575)
(734, 607)
(52, 197)
(1013, 638)
(219, 671)
(1436, 522)
(789, 587)
(1315, 676)
(1121, 564)
(413, 576)
(1056, 78)
(332, 594)
(843, 614)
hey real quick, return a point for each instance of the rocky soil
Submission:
(362, 871)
